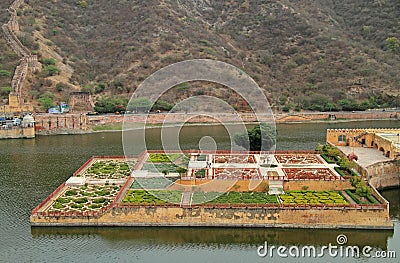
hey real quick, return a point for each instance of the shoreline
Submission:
(63, 131)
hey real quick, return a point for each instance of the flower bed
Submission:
(234, 173)
(143, 197)
(309, 174)
(298, 158)
(85, 198)
(234, 158)
(312, 197)
(110, 169)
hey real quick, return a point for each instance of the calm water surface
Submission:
(31, 169)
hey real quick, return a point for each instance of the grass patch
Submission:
(163, 157)
(108, 127)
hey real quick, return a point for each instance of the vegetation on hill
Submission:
(314, 55)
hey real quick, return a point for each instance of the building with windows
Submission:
(385, 140)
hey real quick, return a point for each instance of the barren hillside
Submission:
(317, 55)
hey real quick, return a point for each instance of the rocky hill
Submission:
(316, 55)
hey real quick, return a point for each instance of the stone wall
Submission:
(337, 115)
(231, 217)
(81, 102)
(60, 121)
(17, 132)
(384, 174)
(27, 61)
(171, 118)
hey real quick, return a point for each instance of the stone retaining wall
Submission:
(230, 217)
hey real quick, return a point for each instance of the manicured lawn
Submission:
(312, 197)
(151, 183)
(163, 157)
(160, 167)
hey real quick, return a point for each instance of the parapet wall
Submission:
(230, 217)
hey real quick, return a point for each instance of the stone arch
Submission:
(387, 154)
(382, 150)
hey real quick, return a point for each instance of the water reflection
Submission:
(393, 196)
(219, 236)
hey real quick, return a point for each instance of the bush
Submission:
(353, 196)
(49, 61)
(339, 171)
(71, 193)
(51, 70)
(5, 91)
(81, 200)
(99, 200)
(5, 73)
(181, 170)
(327, 159)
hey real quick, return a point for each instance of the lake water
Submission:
(31, 169)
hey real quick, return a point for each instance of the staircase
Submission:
(275, 187)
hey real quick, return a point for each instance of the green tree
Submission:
(139, 104)
(392, 43)
(163, 105)
(46, 100)
(49, 61)
(110, 104)
(51, 70)
(260, 137)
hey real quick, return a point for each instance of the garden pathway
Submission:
(348, 198)
(186, 199)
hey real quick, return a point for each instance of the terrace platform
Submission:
(196, 188)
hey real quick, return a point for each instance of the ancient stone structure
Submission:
(380, 174)
(54, 122)
(14, 106)
(28, 62)
(385, 140)
(81, 102)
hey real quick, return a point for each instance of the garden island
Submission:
(298, 189)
